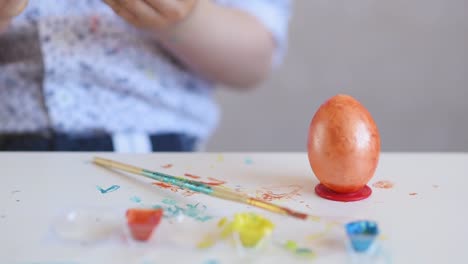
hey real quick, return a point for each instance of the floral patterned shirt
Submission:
(76, 67)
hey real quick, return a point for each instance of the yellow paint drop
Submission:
(383, 237)
(207, 242)
(251, 228)
(314, 218)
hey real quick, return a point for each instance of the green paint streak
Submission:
(292, 246)
(304, 251)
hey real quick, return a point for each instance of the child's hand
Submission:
(11, 8)
(152, 14)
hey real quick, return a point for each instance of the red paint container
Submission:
(142, 222)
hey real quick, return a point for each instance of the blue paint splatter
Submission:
(135, 199)
(248, 161)
(211, 261)
(169, 201)
(108, 190)
(194, 211)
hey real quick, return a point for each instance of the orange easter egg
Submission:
(343, 145)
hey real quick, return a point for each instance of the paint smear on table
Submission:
(15, 191)
(435, 186)
(167, 166)
(413, 194)
(191, 176)
(2, 216)
(248, 161)
(211, 261)
(383, 237)
(328, 228)
(174, 189)
(210, 181)
(207, 242)
(220, 158)
(113, 188)
(294, 248)
(135, 199)
(250, 228)
(172, 209)
(278, 193)
(383, 185)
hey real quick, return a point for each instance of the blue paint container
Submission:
(362, 234)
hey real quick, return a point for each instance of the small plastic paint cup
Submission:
(362, 235)
(87, 224)
(142, 222)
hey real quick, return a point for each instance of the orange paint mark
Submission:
(383, 185)
(278, 192)
(413, 194)
(192, 176)
(167, 166)
(215, 182)
(211, 182)
(175, 189)
(162, 185)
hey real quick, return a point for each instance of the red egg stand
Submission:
(326, 193)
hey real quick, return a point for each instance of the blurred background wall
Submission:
(405, 60)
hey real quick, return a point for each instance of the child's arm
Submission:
(220, 43)
(10, 9)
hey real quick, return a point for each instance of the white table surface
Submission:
(429, 226)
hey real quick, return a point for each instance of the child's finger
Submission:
(122, 12)
(162, 6)
(140, 9)
(171, 9)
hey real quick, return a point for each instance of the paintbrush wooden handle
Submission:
(217, 191)
(117, 165)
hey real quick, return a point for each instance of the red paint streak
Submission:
(167, 166)
(162, 185)
(215, 182)
(278, 193)
(413, 194)
(211, 182)
(383, 185)
(94, 24)
(192, 176)
(175, 189)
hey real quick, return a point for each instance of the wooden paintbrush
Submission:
(216, 191)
